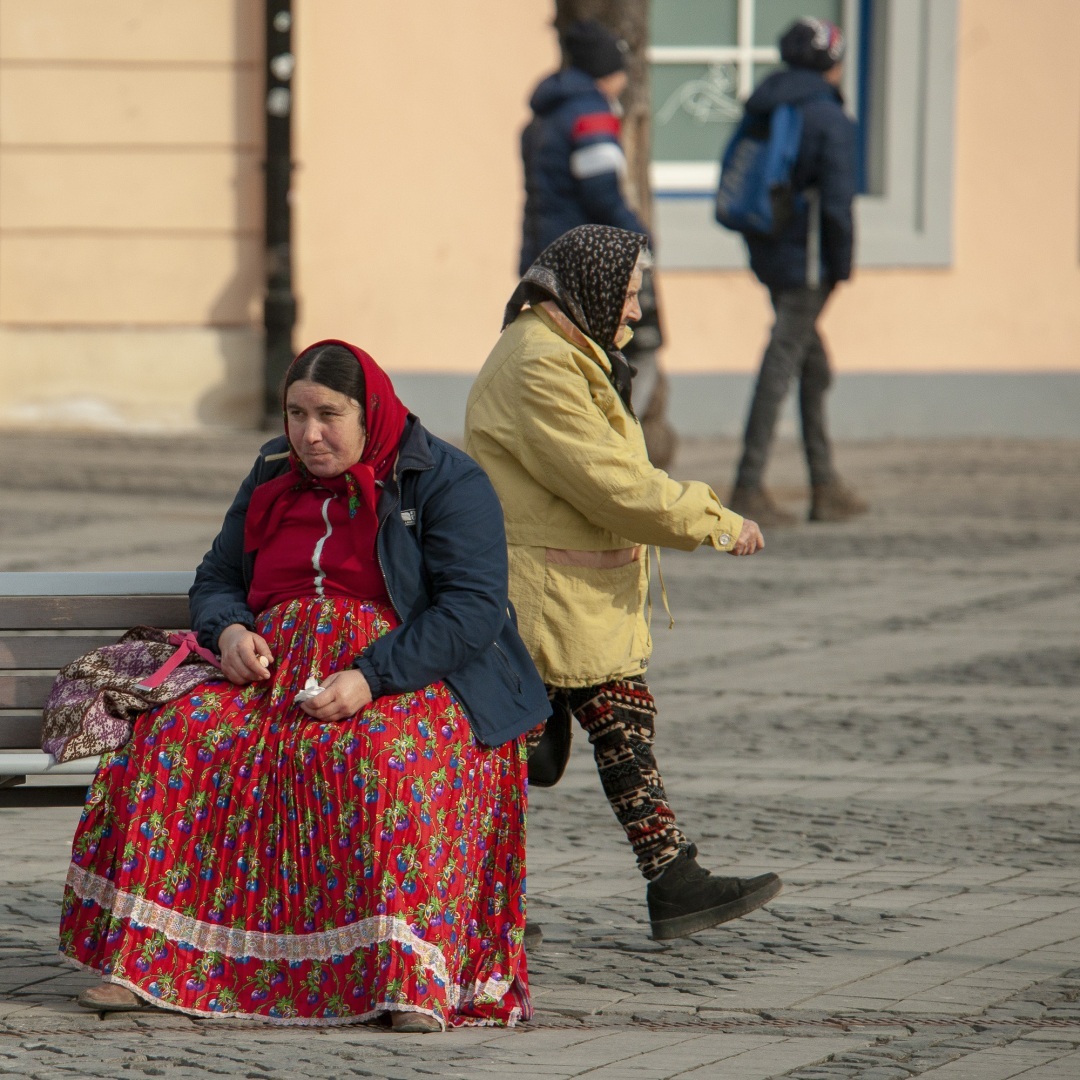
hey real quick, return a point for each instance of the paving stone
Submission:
(893, 730)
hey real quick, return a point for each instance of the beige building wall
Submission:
(131, 204)
(408, 193)
(130, 211)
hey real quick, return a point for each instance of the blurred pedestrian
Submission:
(801, 266)
(573, 159)
(574, 172)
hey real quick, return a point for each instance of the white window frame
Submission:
(909, 225)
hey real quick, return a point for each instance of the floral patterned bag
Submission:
(96, 698)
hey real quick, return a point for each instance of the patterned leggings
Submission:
(619, 718)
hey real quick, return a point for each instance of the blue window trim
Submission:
(865, 86)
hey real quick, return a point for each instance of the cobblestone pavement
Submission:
(885, 712)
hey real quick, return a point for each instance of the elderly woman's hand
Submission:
(344, 693)
(245, 656)
(750, 539)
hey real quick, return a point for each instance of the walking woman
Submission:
(550, 418)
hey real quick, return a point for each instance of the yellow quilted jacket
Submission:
(581, 499)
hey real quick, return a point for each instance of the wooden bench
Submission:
(47, 620)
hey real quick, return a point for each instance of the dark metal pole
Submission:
(279, 308)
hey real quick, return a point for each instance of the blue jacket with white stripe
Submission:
(573, 163)
(442, 550)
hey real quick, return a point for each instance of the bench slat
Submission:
(92, 612)
(36, 762)
(24, 691)
(19, 730)
(95, 582)
(21, 651)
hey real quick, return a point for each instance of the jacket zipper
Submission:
(509, 666)
(448, 680)
(378, 554)
(382, 568)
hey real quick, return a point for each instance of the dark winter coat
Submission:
(826, 161)
(442, 550)
(573, 163)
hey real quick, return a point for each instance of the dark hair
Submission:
(332, 366)
(813, 44)
(593, 48)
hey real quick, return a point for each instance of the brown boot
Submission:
(757, 505)
(835, 502)
(414, 1023)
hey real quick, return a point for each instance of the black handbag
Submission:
(547, 760)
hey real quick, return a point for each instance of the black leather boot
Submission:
(686, 898)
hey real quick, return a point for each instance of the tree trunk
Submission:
(629, 19)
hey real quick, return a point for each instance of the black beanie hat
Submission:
(812, 43)
(593, 48)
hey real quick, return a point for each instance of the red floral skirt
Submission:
(238, 859)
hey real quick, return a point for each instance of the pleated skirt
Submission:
(238, 859)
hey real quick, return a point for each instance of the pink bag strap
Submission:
(187, 643)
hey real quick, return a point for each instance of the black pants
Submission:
(795, 350)
(619, 718)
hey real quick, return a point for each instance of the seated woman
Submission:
(257, 852)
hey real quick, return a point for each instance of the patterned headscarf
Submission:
(586, 272)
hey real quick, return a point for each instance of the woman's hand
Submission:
(245, 656)
(344, 693)
(750, 539)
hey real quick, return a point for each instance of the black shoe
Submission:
(533, 935)
(686, 898)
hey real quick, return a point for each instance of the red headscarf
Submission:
(384, 423)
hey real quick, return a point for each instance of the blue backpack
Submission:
(755, 193)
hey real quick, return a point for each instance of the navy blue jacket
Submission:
(573, 163)
(826, 161)
(442, 550)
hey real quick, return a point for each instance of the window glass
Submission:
(693, 22)
(698, 94)
(773, 17)
(695, 110)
